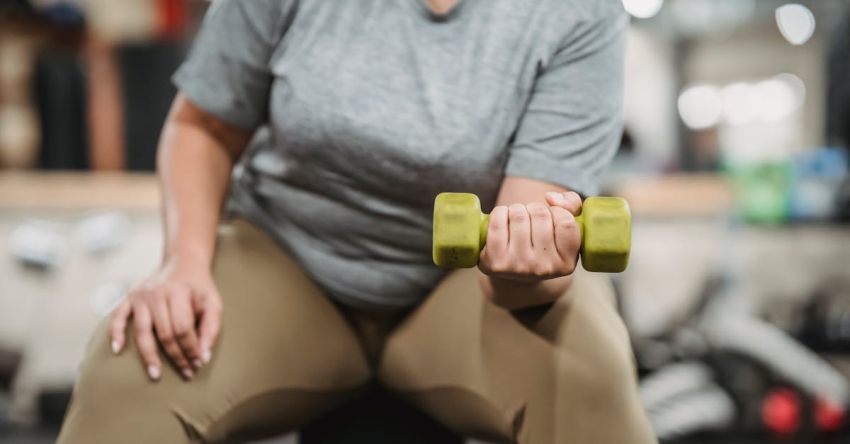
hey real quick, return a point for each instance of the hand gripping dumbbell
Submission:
(460, 232)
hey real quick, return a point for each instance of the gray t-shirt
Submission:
(370, 108)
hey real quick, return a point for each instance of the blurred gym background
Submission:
(734, 160)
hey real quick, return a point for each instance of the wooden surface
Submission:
(78, 190)
(677, 195)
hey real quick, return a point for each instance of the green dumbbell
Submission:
(460, 232)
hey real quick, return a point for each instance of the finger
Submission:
(567, 235)
(542, 230)
(162, 325)
(210, 309)
(118, 325)
(143, 329)
(519, 227)
(497, 231)
(496, 249)
(569, 201)
(183, 326)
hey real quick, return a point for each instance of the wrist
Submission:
(514, 284)
(513, 294)
(188, 257)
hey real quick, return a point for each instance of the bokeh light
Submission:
(700, 106)
(777, 100)
(740, 103)
(796, 23)
(643, 8)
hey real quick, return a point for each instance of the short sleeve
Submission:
(227, 73)
(572, 125)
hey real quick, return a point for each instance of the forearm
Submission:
(194, 163)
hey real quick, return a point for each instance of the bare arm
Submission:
(179, 306)
(196, 156)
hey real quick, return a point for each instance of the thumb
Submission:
(568, 200)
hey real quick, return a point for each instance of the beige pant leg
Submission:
(285, 355)
(567, 378)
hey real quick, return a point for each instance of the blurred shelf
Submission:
(680, 195)
(72, 190)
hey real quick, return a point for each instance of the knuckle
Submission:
(570, 267)
(166, 338)
(497, 265)
(559, 213)
(567, 224)
(177, 291)
(168, 292)
(520, 269)
(518, 213)
(544, 271)
(135, 295)
(155, 294)
(500, 267)
(485, 268)
(495, 224)
(537, 209)
(181, 333)
(146, 286)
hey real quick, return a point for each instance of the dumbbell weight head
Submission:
(606, 234)
(460, 232)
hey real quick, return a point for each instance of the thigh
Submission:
(284, 355)
(566, 377)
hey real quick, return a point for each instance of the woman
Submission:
(323, 282)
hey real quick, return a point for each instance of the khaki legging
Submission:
(287, 354)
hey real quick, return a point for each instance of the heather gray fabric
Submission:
(370, 108)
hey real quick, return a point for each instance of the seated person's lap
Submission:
(287, 354)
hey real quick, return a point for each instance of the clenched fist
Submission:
(535, 241)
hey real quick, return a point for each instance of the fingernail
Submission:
(116, 346)
(197, 363)
(206, 356)
(557, 197)
(188, 373)
(153, 372)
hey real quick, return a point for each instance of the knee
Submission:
(600, 387)
(113, 399)
(106, 379)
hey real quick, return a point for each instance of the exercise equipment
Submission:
(460, 232)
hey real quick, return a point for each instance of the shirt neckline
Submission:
(428, 12)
